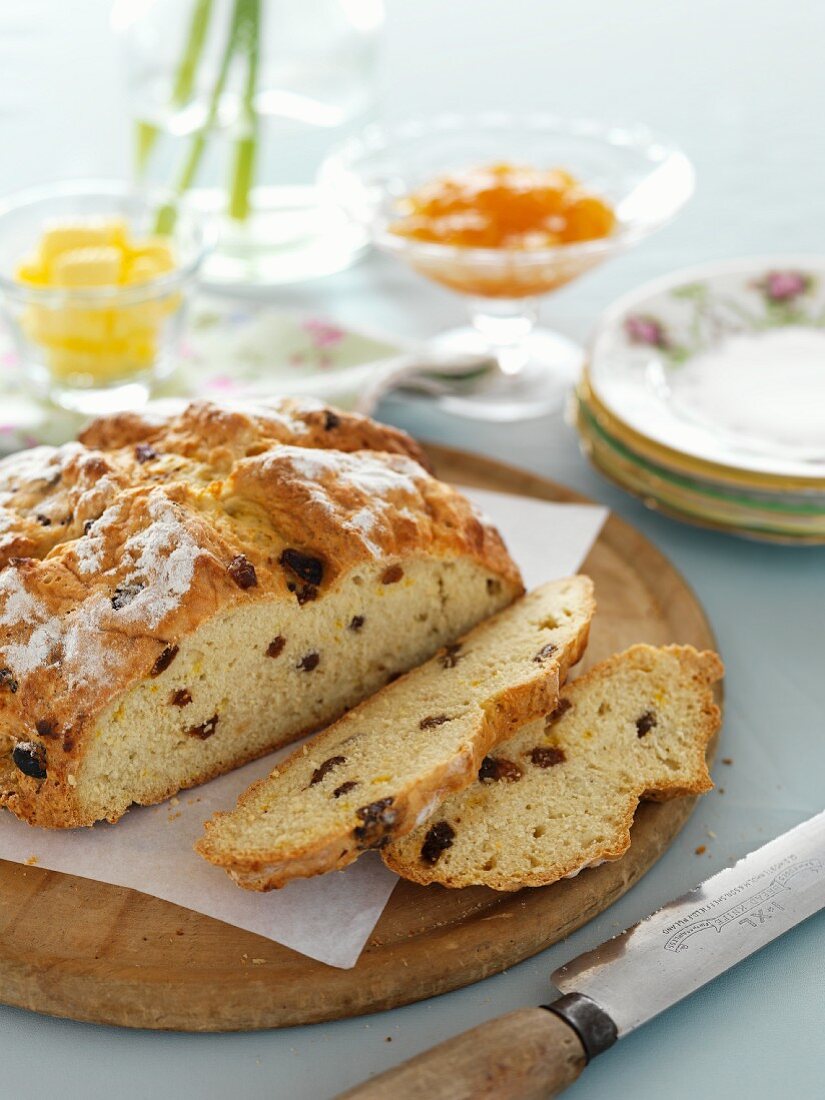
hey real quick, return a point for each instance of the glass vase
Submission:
(235, 104)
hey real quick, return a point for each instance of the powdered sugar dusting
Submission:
(19, 609)
(380, 484)
(364, 521)
(164, 556)
(88, 551)
(37, 463)
(19, 606)
(361, 470)
(160, 561)
(278, 414)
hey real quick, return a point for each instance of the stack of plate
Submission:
(704, 395)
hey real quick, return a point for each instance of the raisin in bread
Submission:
(561, 794)
(390, 761)
(180, 595)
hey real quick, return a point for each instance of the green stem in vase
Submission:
(148, 132)
(146, 136)
(188, 67)
(167, 214)
(243, 163)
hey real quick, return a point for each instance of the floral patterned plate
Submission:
(720, 371)
(794, 518)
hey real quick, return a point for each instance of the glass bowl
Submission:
(94, 349)
(643, 176)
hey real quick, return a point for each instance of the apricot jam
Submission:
(505, 206)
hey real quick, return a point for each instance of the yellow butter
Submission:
(31, 271)
(88, 267)
(64, 236)
(53, 326)
(147, 260)
(111, 341)
(133, 321)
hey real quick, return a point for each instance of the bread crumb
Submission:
(727, 760)
(174, 817)
(174, 801)
(388, 1039)
(30, 862)
(700, 851)
(711, 834)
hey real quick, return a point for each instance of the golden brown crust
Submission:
(221, 435)
(115, 548)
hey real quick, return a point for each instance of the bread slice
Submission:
(560, 795)
(389, 762)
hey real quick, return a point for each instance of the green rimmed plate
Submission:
(796, 519)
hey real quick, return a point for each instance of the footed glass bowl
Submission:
(645, 178)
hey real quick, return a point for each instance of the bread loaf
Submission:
(391, 760)
(560, 795)
(180, 595)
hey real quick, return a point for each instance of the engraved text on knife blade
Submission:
(657, 962)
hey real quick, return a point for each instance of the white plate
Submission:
(724, 362)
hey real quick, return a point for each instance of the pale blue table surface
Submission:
(742, 85)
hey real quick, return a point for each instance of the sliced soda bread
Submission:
(390, 761)
(181, 594)
(560, 795)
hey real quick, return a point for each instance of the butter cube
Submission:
(151, 258)
(65, 236)
(88, 267)
(31, 271)
(132, 321)
(54, 326)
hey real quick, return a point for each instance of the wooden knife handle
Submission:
(528, 1055)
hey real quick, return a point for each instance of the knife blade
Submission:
(675, 951)
(626, 981)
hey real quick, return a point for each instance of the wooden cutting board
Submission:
(88, 951)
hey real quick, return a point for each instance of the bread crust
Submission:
(115, 548)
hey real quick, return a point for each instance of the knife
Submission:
(608, 992)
